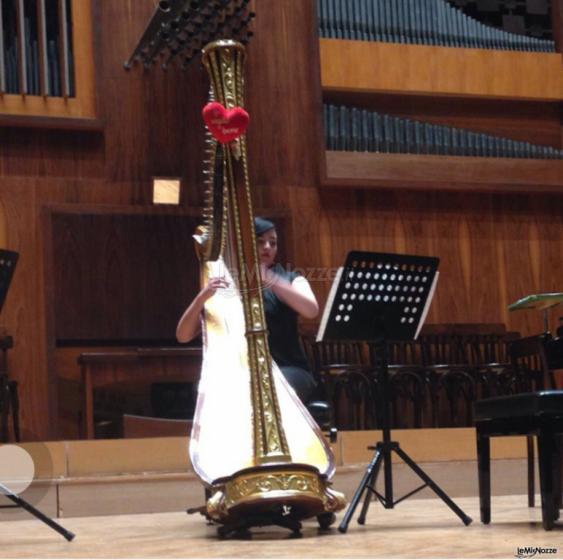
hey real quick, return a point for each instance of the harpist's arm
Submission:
(297, 294)
(189, 325)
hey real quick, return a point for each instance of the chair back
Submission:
(529, 360)
(485, 349)
(338, 352)
(340, 369)
(401, 352)
(442, 344)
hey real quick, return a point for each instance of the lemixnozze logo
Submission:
(531, 551)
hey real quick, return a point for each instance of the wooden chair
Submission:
(489, 347)
(447, 374)
(408, 391)
(463, 363)
(529, 358)
(490, 359)
(407, 385)
(340, 367)
(335, 356)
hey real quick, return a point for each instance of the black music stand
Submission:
(380, 297)
(8, 260)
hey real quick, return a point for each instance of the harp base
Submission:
(277, 494)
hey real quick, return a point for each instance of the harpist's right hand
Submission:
(213, 285)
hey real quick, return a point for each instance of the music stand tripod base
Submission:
(20, 502)
(382, 451)
(378, 297)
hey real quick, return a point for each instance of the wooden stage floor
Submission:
(416, 528)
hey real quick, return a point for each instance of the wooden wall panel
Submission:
(482, 239)
(478, 254)
(122, 276)
(494, 248)
(153, 123)
(548, 216)
(283, 95)
(22, 314)
(151, 128)
(56, 153)
(434, 172)
(430, 70)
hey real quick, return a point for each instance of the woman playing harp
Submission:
(286, 296)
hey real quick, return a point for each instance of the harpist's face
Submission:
(267, 246)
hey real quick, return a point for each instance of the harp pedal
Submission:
(201, 509)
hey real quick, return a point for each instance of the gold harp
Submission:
(253, 445)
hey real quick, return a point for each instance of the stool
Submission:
(321, 411)
(537, 414)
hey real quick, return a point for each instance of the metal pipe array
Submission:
(427, 22)
(360, 130)
(180, 28)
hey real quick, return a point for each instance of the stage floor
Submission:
(416, 528)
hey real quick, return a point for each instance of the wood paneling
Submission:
(421, 69)
(122, 276)
(426, 445)
(23, 314)
(494, 248)
(414, 171)
(51, 153)
(151, 127)
(122, 456)
(283, 97)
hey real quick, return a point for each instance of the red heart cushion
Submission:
(225, 125)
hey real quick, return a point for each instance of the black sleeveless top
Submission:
(281, 320)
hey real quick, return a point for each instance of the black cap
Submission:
(261, 226)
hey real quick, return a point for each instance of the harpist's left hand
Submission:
(269, 278)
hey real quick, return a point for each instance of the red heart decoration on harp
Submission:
(225, 125)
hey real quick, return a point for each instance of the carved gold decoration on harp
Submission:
(254, 445)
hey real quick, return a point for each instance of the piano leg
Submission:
(484, 467)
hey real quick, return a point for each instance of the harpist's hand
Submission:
(213, 285)
(268, 277)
